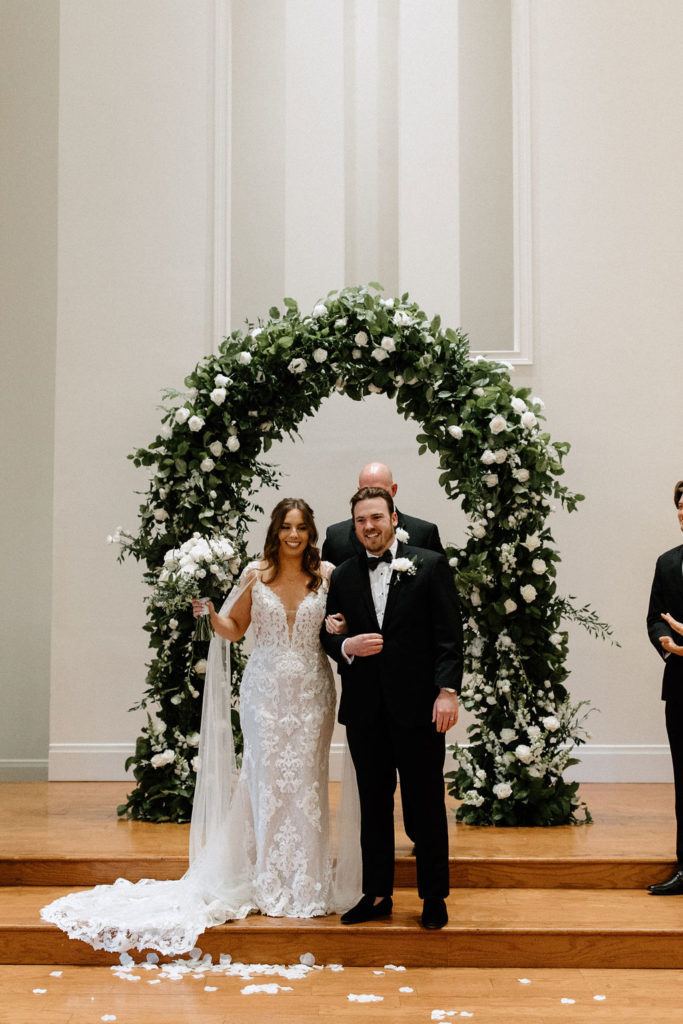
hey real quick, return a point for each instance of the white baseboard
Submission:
(22, 769)
(103, 762)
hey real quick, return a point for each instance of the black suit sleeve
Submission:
(656, 626)
(434, 540)
(447, 628)
(332, 642)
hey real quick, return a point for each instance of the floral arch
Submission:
(207, 470)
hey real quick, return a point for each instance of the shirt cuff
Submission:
(347, 658)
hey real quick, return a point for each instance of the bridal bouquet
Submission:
(203, 568)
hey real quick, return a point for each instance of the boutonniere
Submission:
(404, 566)
(402, 535)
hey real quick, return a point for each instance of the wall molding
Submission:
(522, 349)
(103, 762)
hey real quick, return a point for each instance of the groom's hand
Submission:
(362, 645)
(445, 711)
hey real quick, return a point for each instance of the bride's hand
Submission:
(198, 606)
(336, 623)
(678, 626)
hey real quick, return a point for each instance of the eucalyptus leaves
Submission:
(207, 469)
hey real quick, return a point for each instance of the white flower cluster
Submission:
(200, 564)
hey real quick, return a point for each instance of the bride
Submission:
(259, 841)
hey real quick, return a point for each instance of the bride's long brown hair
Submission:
(310, 561)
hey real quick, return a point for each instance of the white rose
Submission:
(557, 639)
(182, 415)
(221, 381)
(538, 566)
(532, 542)
(200, 667)
(320, 309)
(455, 432)
(528, 592)
(320, 355)
(475, 598)
(491, 479)
(233, 444)
(533, 732)
(206, 465)
(507, 735)
(172, 623)
(510, 606)
(479, 392)
(195, 423)
(502, 790)
(488, 458)
(166, 432)
(453, 562)
(398, 381)
(297, 366)
(522, 475)
(193, 739)
(342, 322)
(402, 319)
(160, 514)
(216, 448)
(218, 396)
(379, 354)
(244, 358)
(523, 754)
(361, 339)
(500, 455)
(551, 723)
(519, 405)
(529, 420)
(498, 424)
(356, 353)
(402, 535)
(478, 531)
(388, 344)
(159, 760)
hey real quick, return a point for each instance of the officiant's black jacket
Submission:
(341, 541)
(422, 631)
(667, 596)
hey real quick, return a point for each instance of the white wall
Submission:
(328, 185)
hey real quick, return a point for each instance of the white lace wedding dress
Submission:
(259, 841)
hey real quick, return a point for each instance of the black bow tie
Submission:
(374, 562)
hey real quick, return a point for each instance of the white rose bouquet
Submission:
(199, 568)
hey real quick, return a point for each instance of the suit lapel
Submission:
(366, 593)
(395, 586)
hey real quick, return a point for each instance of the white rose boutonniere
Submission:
(403, 567)
(402, 535)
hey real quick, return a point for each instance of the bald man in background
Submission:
(340, 539)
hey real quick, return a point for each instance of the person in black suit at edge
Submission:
(401, 668)
(341, 541)
(666, 606)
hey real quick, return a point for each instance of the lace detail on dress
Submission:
(274, 857)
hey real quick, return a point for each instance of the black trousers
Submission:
(379, 752)
(674, 730)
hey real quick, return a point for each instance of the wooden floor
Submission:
(542, 921)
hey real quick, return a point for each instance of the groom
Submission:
(401, 669)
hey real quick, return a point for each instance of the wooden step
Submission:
(487, 928)
(525, 871)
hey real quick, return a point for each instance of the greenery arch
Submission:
(493, 454)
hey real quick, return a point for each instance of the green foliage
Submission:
(206, 469)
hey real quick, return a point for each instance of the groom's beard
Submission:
(377, 543)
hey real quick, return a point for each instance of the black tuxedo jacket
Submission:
(341, 541)
(422, 631)
(667, 596)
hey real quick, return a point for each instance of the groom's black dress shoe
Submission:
(671, 887)
(434, 913)
(367, 910)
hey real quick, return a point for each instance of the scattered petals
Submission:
(379, 972)
(210, 988)
(271, 989)
(39, 991)
(599, 998)
(154, 981)
(56, 974)
(569, 1002)
(108, 1016)
(393, 967)
(335, 967)
(406, 988)
(353, 998)
(524, 981)
(307, 959)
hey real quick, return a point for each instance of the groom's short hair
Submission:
(678, 490)
(371, 492)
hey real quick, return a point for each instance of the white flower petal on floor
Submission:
(210, 988)
(569, 1002)
(524, 981)
(353, 998)
(307, 959)
(393, 967)
(406, 988)
(56, 974)
(39, 991)
(599, 998)
(271, 989)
